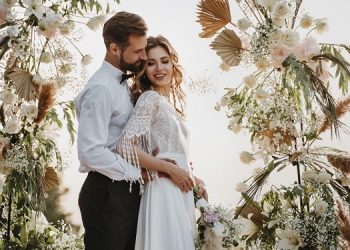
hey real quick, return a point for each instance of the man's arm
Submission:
(95, 111)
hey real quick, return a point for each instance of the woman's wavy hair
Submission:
(142, 83)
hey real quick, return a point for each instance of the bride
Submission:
(167, 215)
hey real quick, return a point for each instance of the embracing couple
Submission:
(133, 143)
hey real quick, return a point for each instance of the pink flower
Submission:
(210, 216)
(278, 53)
(307, 49)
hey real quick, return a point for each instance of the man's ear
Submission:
(114, 49)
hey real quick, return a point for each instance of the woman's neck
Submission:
(164, 91)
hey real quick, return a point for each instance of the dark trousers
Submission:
(109, 213)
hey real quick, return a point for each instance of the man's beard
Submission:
(134, 68)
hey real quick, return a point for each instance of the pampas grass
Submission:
(47, 99)
(342, 108)
(343, 217)
(340, 162)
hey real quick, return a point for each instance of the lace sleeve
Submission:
(138, 129)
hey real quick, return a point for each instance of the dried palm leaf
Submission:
(22, 80)
(50, 179)
(251, 211)
(46, 100)
(343, 106)
(258, 182)
(228, 46)
(343, 218)
(213, 15)
(340, 162)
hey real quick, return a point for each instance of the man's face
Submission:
(133, 57)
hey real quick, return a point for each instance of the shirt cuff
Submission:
(132, 173)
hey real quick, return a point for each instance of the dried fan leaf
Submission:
(228, 46)
(50, 179)
(213, 15)
(23, 83)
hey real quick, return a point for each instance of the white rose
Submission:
(281, 9)
(241, 187)
(46, 57)
(290, 37)
(324, 177)
(244, 227)
(12, 126)
(86, 60)
(306, 21)
(93, 24)
(289, 239)
(246, 157)
(268, 4)
(101, 18)
(13, 31)
(38, 222)
(38, 80)
(262, 64)
(2, 182)
(260, 94)
(267, 207)
(243, 24)
(65, 69)
(66, 28)
(249, 81)
(320, 207)
(276, 35)
(321, 25)
(219, 229)
(29, 110)
(234, 126)
(278, 21)
(8, 97)
(309, 175)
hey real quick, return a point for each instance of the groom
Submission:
(109, 198)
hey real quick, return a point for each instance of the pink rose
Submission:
(307, 49)
(278, 53)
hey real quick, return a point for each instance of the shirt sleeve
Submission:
(95, 111)
(137, 131)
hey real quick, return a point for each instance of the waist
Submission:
(181, 159)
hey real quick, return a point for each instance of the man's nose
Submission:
(143, 55)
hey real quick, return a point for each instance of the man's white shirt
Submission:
(103, 109)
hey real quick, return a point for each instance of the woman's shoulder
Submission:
(149, 96)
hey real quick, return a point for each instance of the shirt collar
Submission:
(114, 71)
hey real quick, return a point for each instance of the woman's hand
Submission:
(201, 190)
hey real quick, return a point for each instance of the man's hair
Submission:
(119, 27)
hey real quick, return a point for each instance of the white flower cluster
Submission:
(18, 114)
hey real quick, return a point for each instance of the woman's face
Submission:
(159, 69)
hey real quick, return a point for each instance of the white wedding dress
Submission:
(167, 215)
